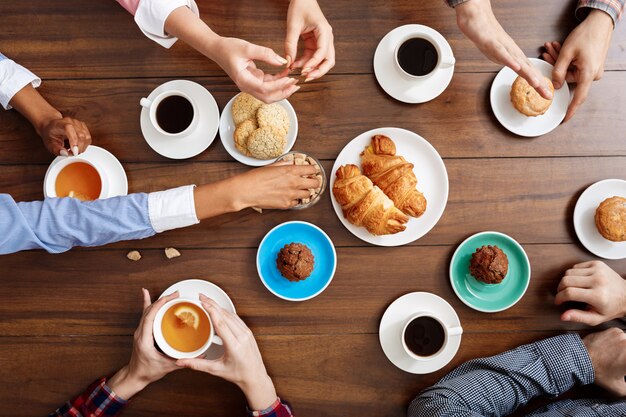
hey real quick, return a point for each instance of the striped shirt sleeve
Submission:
(614, 8)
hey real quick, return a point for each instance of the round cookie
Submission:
(611, 219)
(527, 100)
(242, 133)
(245, 107)
(266, 143)
(273, 115)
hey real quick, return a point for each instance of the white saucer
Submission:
(392, 81)
(432, 180)
(396, 316)
(193, 143)
(584, 218)
(515, 121)
(118, 182)
(192, 288)
(227, 134)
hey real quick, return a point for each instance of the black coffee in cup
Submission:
(424, 336)
(418, 56)
(174, 114)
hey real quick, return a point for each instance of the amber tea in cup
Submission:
(185, 327)
(79, 180)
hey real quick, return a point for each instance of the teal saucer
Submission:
(490, 298)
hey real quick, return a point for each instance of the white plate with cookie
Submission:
(608, 197)
(428, 168)
(513, 119)
(261, 132)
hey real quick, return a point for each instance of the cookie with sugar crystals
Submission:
(245, 107)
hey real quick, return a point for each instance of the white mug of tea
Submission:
(77, 177)
(183, 329)
(419, 55)
(172, 113)
(425, 336)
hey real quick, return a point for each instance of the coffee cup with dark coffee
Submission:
(424, 336)
(172, 113)
(419, 55)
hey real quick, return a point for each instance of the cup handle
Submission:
(453, 331)
(217, 340)
(447, 62)
(144, 102)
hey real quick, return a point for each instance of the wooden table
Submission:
(68, 319)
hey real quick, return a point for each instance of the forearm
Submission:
(126, 385)
(613, 8)
(34, 107)
(260, 392)
(500, 384)
(187, 26)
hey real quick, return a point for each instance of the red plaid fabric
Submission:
(97, 401)
(278, 409)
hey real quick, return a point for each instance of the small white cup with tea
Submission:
(424, 336)
(419, 55)
(183, 329)
(77, 177)
(172, 113)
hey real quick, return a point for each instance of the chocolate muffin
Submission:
(489, 264)
(295, 262)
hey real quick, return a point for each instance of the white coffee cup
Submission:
(170, 351)
(448, 333)
(444, 59)
(51, 176)
(153, 105)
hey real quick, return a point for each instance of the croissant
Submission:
(364, 204)
(393, 175)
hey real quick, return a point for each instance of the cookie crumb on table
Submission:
(134, 255)
(171, 253)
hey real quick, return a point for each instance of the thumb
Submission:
(590, 318)
(291, 43)
(261, 53)
(560, 69)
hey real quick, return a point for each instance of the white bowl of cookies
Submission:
(255, 133)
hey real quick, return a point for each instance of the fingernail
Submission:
(306, 70)
(64, 152)
(307, 79)
(282, 60)
(75, 150)
(297, 88)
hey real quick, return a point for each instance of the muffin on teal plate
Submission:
(479, 295)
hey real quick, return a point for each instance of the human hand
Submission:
(237, 57)
(305, 20)
(477, 21)
(146, 364)
(241, 363)
(55, 131)
(607, 351)
(581, 58)
(599, 286)
(277, 186)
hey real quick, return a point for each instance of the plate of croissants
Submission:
(390, 186)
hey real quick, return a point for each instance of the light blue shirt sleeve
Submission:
(58, 224)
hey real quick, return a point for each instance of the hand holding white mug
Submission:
(607, 351)
(596, 284)
(241, 363)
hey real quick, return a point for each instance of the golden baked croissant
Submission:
(393, 174)
(364, 204)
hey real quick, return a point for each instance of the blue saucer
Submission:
(323, 252)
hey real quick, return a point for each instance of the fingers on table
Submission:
(590, 318)
(580, 93)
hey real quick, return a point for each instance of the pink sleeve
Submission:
(130, 5)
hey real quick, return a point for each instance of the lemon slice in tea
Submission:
(187, 316)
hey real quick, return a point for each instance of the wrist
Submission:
(41, 120)
(259, 391)
(600, 19)
(211, 44)
(125, 384)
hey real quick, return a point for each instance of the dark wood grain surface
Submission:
(67, 319)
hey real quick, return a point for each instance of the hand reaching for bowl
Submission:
(146, 364)
(241, 363)
(581, 58)
(607, 351)
(596, 284)
(477, 21)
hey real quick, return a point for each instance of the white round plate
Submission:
(515, 121)
(391, 79)
(118, 182)
(584, 218)
(227, 134)
(432, 180)
(192, 288)
(194, 142)
(396, 316)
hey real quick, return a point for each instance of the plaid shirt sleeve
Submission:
(614, 8)
(454, 3)
(500, 384)
(278, 409)
(97, 401)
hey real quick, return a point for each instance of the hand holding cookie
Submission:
(477, 21)
(305, 20)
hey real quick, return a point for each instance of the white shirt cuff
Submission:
(14, 77)
(151, 16)
(172, 209)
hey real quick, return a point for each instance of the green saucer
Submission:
(490, 298)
